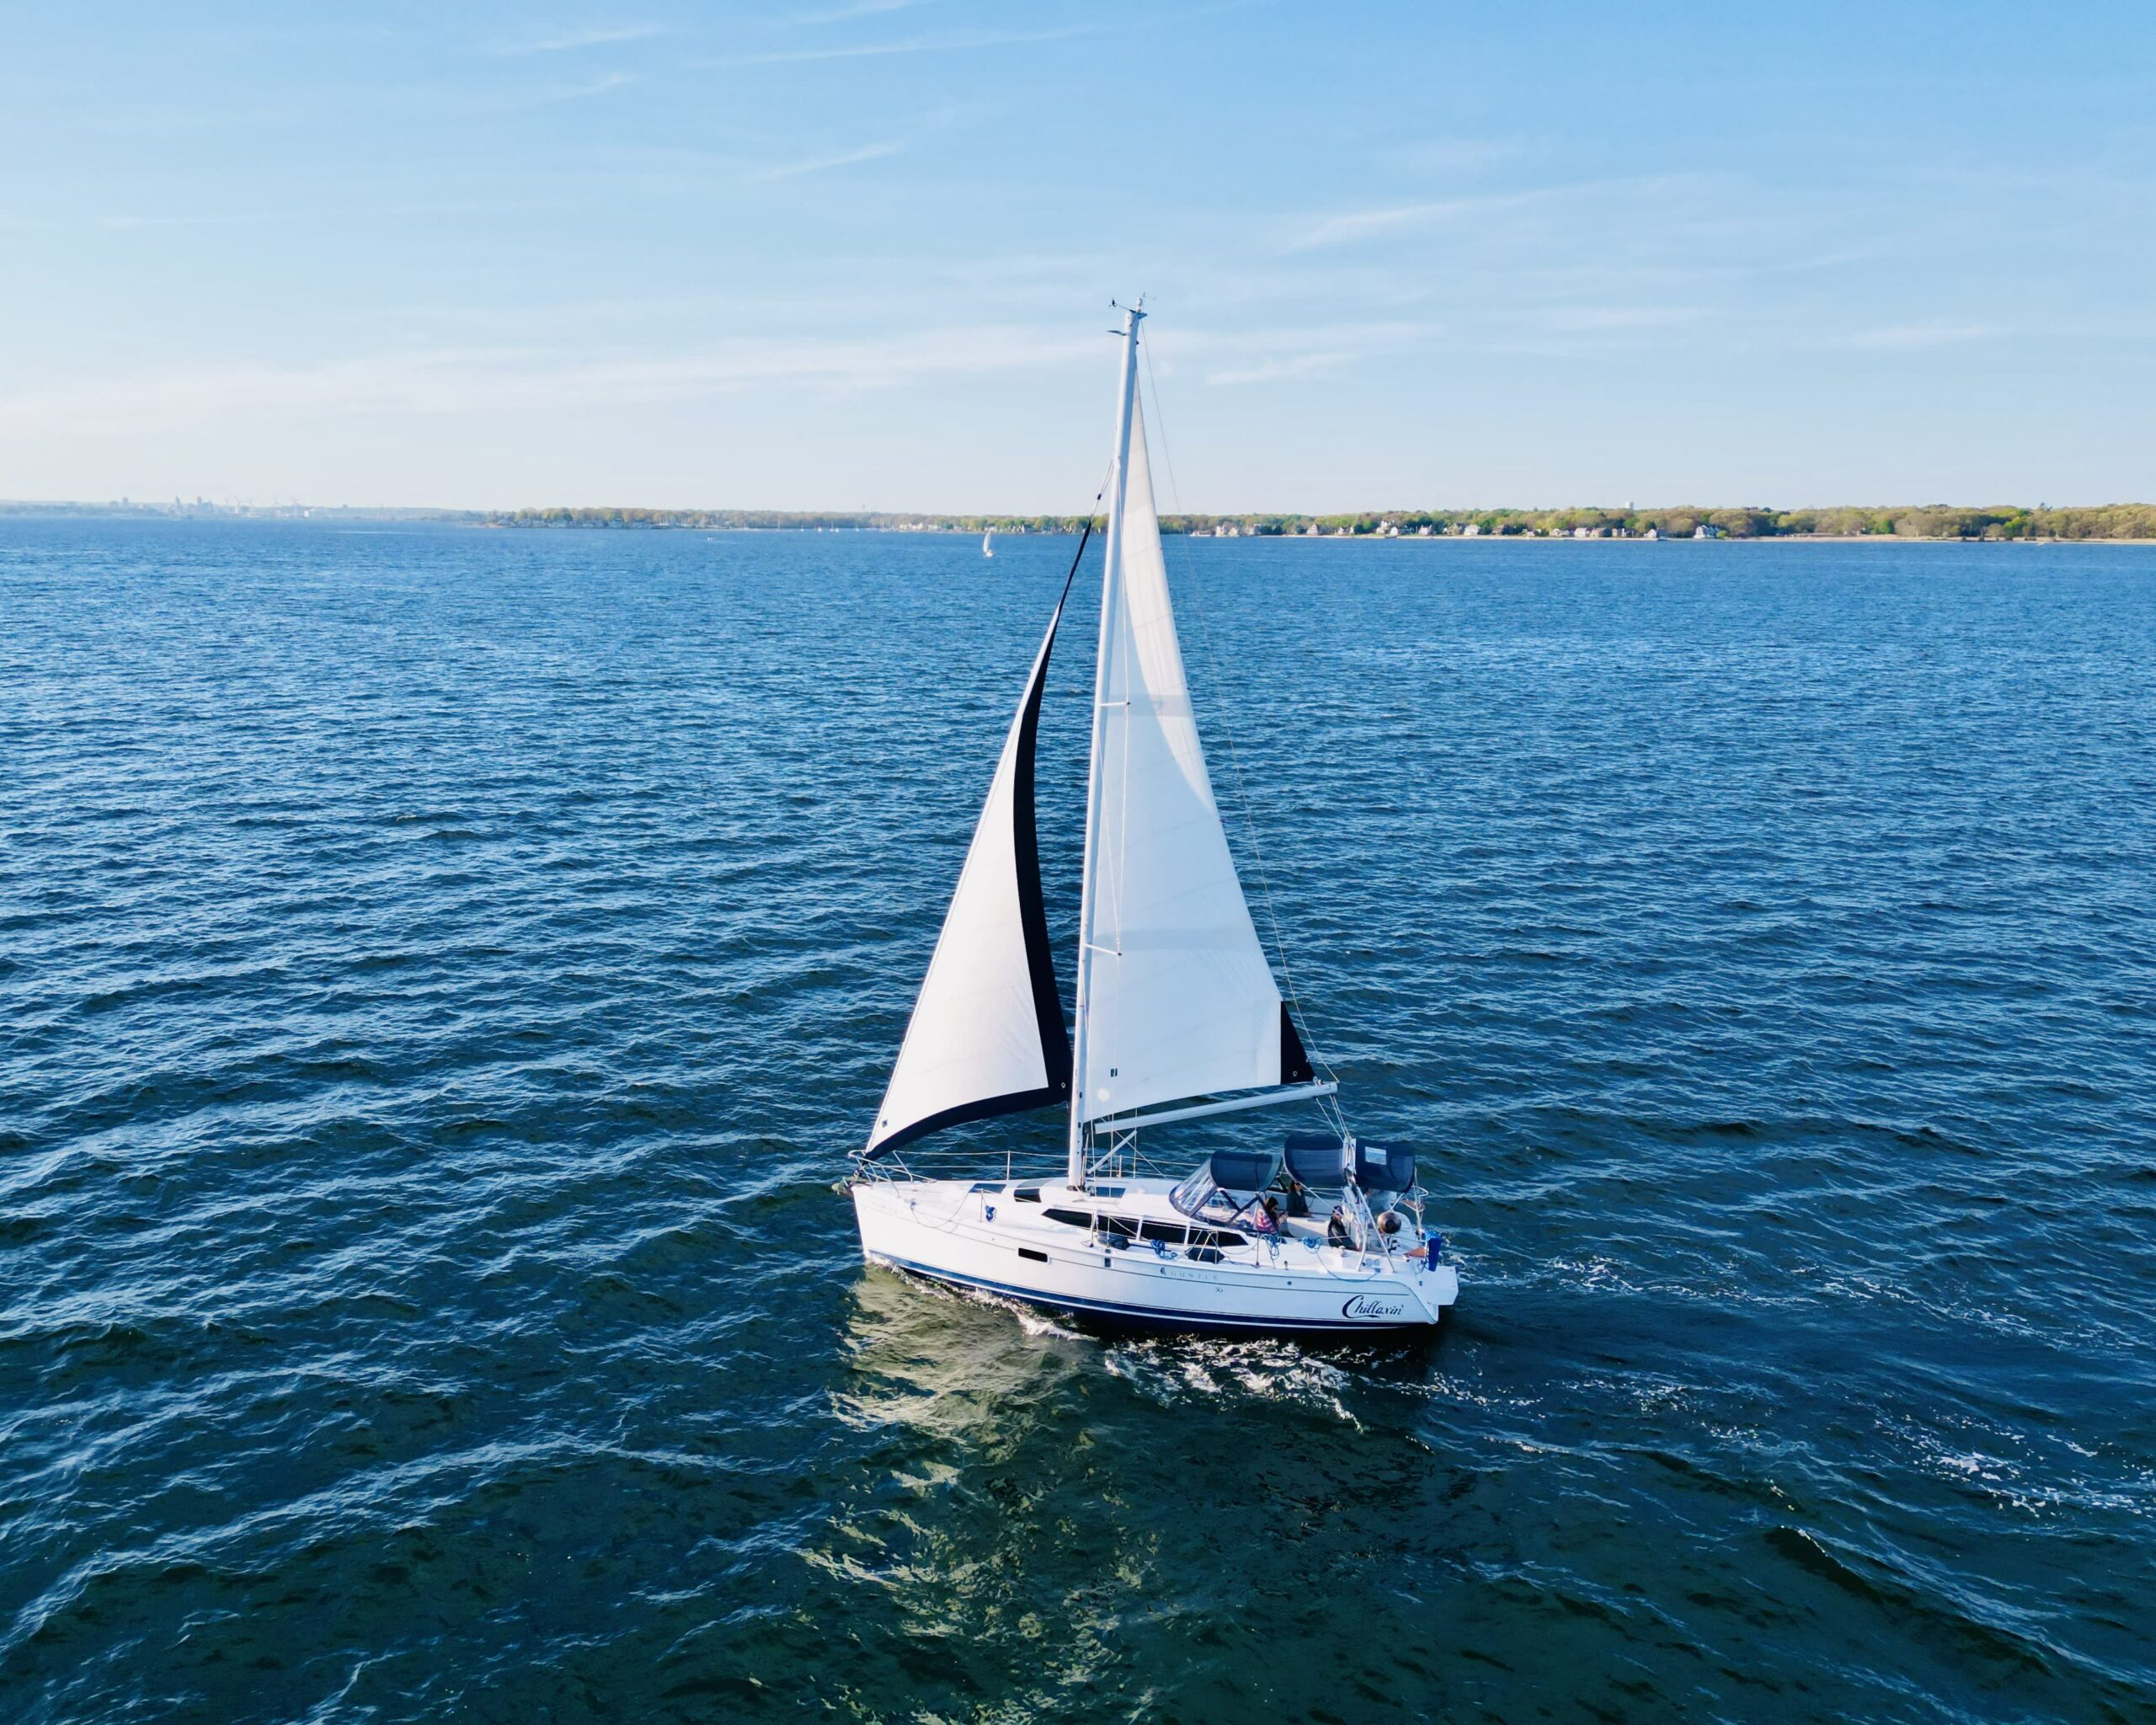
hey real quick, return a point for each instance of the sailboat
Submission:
(988, 543)
(1178, 1017)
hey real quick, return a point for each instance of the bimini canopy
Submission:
(1317, 1159)
(1324, 1163)
(1244, 1170)
(1384, 1167)
(1237, 1175)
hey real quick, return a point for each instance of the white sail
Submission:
(1177, 996)
(987, 1036)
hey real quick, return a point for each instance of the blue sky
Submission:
(852, 253)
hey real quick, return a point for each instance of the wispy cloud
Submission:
(1596, 320)
(575, 93)
(315, 215)
(1266, 355)
(948, 43)
(1269, 371)
(453, 382)
(445, 100)
(819, 164)
(1373, 224)
(859, 8)
(1454, 155)
(129, 224)
(1934, 334)
(1626, 195)
(596, 36)
(1376, 347)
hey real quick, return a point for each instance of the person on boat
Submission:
(1299, 1197)
(1336, 1227)
(1266, 1218)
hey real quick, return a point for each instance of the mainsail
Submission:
(1176, 996)
(987, 1036)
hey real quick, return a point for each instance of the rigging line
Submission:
(1167, 454)
(1079, 555)
(1234, 759)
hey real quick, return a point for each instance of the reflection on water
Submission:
(967, 1514)
(947, 1363)
(1026, 1507)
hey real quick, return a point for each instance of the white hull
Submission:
(953, 1231)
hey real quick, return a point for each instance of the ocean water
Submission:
(442, 973)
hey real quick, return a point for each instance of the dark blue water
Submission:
(442, 973)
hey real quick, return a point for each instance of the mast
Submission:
(1111, 581)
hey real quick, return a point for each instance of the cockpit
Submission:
(1342, 1191)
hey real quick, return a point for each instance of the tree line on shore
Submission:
(2120, 520)
(2127, 521)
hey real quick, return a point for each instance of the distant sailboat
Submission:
(987, 548)
(1176, 1001)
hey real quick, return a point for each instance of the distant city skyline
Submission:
(858, 256)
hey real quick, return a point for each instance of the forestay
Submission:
(1179, 1000)
(987, 1035)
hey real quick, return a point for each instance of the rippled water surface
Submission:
(442, 973)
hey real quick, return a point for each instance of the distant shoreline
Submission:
(2110, 523)
(2114, 524)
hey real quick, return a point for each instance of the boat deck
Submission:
(1140, 1212)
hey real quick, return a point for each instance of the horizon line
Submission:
(237, 506)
